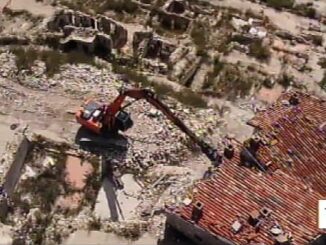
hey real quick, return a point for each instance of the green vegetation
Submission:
(209, 82)
(268, 83)
(188, 97)
(199, 37)
(252, 14)
(185, 96)
(259, 51)
(48, 187)
(23, 14)
(322, 83)
(25, 59)
(146, 1)
(317, 40)
(119, 6)
(322, 62)
(37, 234)
(94, 224)
(285, 80)
(234, 82)
(92, 186)
(305, 10)
(100, 7)
(279, 4)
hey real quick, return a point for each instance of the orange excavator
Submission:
(105, 119)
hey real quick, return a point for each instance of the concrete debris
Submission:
(5, 234)
(256, 32)
(188, 44)
(238, 24)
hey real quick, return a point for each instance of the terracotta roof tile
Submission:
(234, 192)
(295, 143)
(299, 135)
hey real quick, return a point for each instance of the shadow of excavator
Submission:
(98, 144)
(114, 146)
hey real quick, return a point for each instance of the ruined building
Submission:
(241, 205)
(153, 52)
(87, 33)
(163, 56)
(175, 15)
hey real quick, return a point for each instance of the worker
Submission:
(116, 174)
(3, 192)
(208, 173)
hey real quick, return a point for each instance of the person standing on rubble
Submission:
(113, 173)
(208, 173)
(3, 192)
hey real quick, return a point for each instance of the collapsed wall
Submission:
(89, 42)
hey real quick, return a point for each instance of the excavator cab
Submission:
(123, 121)
(91, 116)
(91, 109)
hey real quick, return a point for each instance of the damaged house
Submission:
(175, 15)
(241, 205)
(92, 35)
(153, 51)
(165, 57)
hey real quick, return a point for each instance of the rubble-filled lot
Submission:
(237, 56)
(50, 194)
(149, 165)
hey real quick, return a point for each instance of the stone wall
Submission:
(145, 45)
(13, 174)
(173, 21)
(93, 43)
(17, 156)
(185, 66)
(118, 33)
(138, 38)
(101, 24)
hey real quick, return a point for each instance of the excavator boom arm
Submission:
(151, 98)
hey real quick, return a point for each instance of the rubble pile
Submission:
(7, 69)
(221, 51)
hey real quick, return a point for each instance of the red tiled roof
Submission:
(236, 191)
(298, 138)
(294, 141)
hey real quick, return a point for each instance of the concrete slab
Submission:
(5, 234)
(127, 198)
(102, 209)
(118, 204)
(98, 238)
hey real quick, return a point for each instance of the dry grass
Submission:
(25, 59)
(259, 51)
(199, 37)
(218, 67)
(322, 83)
(322, 62)
(186, 96)
(100, 7)
(280, 4)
